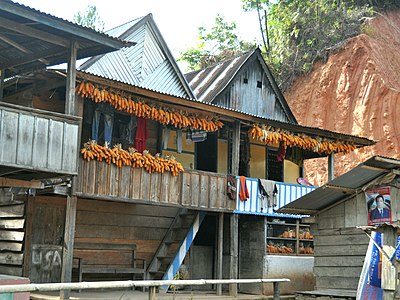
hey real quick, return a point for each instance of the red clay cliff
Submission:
(357, 91)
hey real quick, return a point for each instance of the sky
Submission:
(177, 20)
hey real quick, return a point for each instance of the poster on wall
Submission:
(378, 204)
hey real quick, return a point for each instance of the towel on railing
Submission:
(243, 191)
(271, 191)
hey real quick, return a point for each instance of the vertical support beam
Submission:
(233, 255)
(331, 166)
(152, 293)
(1, 83)
(234, 239)
(277, 292)
(220, 252)
(30, 205)
(235, 148)
(70, 105)
(389, 273)
(69, 236)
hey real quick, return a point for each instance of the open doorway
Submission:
(207, 153)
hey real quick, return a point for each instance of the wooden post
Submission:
(70, 105)
(277, 292)
(220, 252)
(235, 148)
(1, 83)
(389, 272)
(331, 166)
(28, 235)
(152, 293)
(69, 236)
(234, 249)
(234, 239)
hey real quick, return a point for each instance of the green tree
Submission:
(301, 31)
(214, 45)
(89, 18)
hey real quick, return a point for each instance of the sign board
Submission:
(378, 204)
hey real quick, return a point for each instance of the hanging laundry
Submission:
(141, 134)
(270, 188)
(197, 135)
(262, 194)
(107, 111)
(281, 151)
(294, 154)
(231, 189)
(243, 191)
(165, 138)
(179, 140)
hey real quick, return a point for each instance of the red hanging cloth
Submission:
(243, 192)
(141, 134)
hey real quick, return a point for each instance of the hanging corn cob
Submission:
(160, 114)
(269, 135)
(120, 157)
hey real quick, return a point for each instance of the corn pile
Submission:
(272, 136)
(120, 157)
(141, 109)
(271, 248)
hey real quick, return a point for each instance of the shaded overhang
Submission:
(30, 39)
(228, 114)
(344, 187)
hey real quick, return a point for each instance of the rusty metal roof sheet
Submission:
(148, 64)
(342, 187)
(208, 83)
(30, 39)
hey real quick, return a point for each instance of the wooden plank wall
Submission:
(264, 100)
(191, 189)
(12, 222)
(339, 246)
(108, 222)
(44, 141)
(45, 236)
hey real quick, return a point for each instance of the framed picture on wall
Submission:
(378, 204)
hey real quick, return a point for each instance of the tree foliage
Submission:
(90, 18)
(301, 31)
(214, 45)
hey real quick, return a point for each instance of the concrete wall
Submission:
(299, 269)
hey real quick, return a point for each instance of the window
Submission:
(259, 84)
(245, 81)
(274, 167)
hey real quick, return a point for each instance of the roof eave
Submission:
(65, 26)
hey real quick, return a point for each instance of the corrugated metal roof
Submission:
(343, 187)
(149, 64)
(210, 82)
(31, 39)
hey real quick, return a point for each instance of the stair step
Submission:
(171, 242)
(157, 272)
(165, 257)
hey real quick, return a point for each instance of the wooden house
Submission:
(338, 210)
(76, 208)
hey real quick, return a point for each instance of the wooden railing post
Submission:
(152, 293)
(277, 292)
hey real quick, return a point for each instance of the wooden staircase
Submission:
(12, 220)
(172, 250)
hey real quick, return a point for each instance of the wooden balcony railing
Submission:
(286, 193)
(37, 140)
(190, 189)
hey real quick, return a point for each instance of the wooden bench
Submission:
(104, 258)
